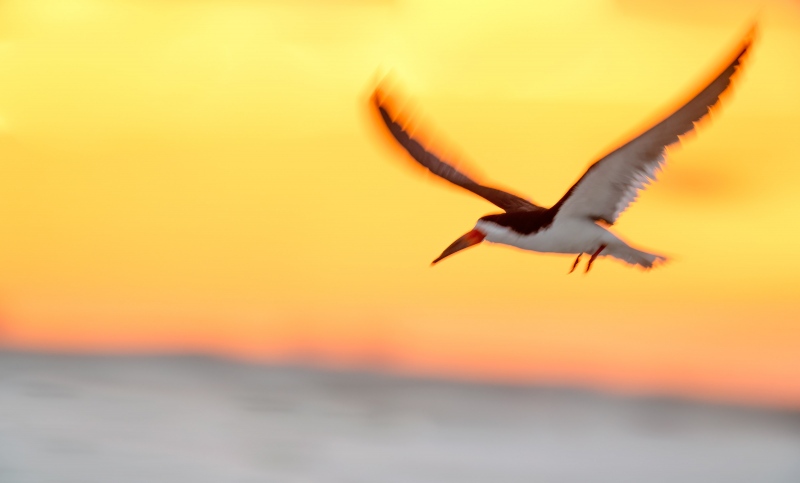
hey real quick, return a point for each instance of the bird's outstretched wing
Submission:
(506, 201)
(614, 182)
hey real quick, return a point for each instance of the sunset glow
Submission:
(207, 176)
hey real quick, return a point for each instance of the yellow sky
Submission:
(205, 176)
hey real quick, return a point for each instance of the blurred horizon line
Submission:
(386, 371)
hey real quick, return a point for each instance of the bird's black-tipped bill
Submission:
(472, 238)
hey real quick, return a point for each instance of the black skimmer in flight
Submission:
(605, 190)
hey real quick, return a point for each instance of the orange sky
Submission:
(204, 176)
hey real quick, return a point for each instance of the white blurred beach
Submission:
(198, 419)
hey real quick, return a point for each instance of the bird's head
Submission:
(473, 237)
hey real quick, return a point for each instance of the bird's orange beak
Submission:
(472, 238)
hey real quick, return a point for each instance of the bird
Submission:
(578, 223)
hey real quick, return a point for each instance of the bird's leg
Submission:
(575, 264)
(594, 255)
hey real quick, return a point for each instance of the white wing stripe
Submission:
(640, 178)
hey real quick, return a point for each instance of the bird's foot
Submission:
(575, 264)
(594, 255)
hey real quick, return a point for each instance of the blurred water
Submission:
(190, 419)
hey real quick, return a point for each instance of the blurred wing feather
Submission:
(611, 184)
(506, 201)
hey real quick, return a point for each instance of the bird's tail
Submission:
(633, 256)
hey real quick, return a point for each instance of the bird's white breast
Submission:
(568, 236)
